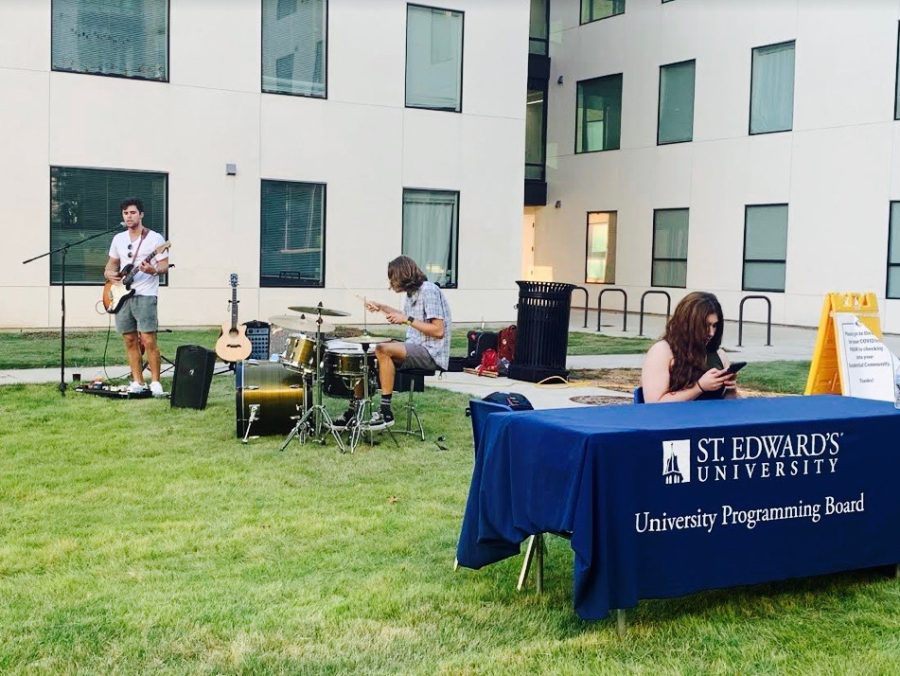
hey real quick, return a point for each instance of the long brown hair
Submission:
(686, 334)
(405, 275)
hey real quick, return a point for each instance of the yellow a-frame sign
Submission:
(825, 372)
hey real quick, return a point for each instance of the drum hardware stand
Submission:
(365, 409)
(319, 414)
(254, 409)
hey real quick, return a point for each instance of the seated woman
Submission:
(687, 363)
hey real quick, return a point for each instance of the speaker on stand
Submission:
(194, 366)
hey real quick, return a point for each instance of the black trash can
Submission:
(542, 336)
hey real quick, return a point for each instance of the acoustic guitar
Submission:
(233, 345)
(116, 293)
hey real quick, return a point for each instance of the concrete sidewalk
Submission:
(788, 343)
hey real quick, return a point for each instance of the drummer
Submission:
(426, 315)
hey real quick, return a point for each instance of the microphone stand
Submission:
(64, 249)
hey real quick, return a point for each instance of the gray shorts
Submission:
(138, 314)
(417, 357)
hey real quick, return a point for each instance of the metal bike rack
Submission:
(659, 292)
(768, 319)
(624, 307)
(586, 303)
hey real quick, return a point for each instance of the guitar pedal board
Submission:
(113, 391)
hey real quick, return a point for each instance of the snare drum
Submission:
(300, 353)
(278, 392)
(344, 369)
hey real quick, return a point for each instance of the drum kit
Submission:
(287, 396)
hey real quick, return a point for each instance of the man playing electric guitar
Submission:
(137, 320)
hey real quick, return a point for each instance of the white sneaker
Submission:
(156, 389)
(136, 388)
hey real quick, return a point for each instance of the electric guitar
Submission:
(233, 345)
(116, 293)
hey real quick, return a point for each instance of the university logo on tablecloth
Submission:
(677, 461)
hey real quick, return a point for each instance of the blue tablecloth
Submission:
(665, 500)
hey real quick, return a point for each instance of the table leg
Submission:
(620, 623)
(539, 573)
(526, 564)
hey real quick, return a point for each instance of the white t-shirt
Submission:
(144, 284)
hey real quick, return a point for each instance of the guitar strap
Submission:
(136, 251)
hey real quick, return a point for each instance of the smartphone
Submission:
(736, 366)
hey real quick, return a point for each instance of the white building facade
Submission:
(743, 147)
(301, 144)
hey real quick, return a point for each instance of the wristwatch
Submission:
(410, 320)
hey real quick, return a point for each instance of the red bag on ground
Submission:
(489, 361)
(506, 343)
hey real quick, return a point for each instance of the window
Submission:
(772, 89)
(893, 271)
(897, 80)
(601, 247)
(85, 202)
(539, 27)
(670, 247)
(431, 232)
(292, 234)
(598, 119)
(111, 37)
(434, 56)
(676, 103)
(765, 247)
(592, 10)
(535, 114)
(293, 47)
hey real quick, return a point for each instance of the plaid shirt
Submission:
(429, 303)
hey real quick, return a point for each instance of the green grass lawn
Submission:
(41, 349)
(137, 538)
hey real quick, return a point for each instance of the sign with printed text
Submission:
(849, 356)
(867, 366)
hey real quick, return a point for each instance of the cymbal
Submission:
(313, 309)
(300, 324)
(367, 339)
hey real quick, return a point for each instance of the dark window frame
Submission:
(750, 131)
(744, 260)
(578, 84)
(546, 40)
(889, 266)
(262, 87)
(462, 59)
(299, 284)
(452, 285)
(659, 102)
(543, 165)
(585, 23)
(164, 278)
(587, 242)
(166, 79)
(654, 259)
(897, 77)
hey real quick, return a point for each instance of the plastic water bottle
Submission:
(897, 388)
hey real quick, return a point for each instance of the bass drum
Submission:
(278, 393)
